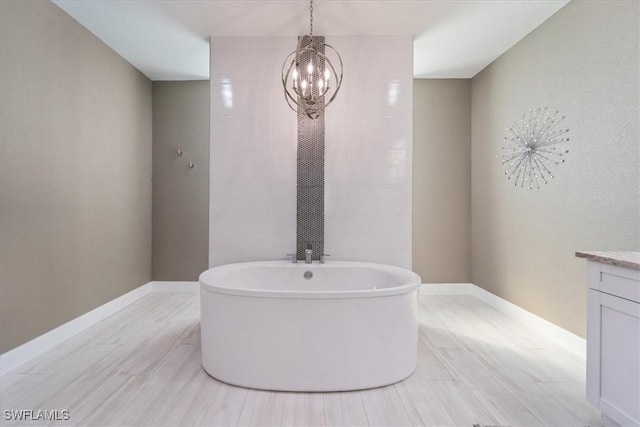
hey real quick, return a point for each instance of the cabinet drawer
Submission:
(614, 280)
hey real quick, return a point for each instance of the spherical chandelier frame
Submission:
(309, 92)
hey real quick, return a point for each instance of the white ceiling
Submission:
(168, 39)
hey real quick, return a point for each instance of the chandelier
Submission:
(310, 80)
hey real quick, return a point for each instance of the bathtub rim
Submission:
(413, 279)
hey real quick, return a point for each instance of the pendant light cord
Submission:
(311, 19)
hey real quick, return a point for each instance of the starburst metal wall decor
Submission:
(531, 147)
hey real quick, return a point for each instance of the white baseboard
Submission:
(446, 288)
(190, 287)
(565, 339)
(24, 353)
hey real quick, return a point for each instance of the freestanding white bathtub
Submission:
(350, 326)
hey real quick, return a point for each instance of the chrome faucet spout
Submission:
(308, 254)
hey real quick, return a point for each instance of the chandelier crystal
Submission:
(310, 80)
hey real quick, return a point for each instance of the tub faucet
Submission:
(308, 253)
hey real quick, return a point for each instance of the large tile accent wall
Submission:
(368, 149)
(368, 156)
(252, 192)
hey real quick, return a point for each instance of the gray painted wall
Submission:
(441, 180)
(583, 61)
(180, 194)
(75, 172)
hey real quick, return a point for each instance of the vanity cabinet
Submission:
(613, 335)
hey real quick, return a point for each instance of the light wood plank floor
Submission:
(141, 366)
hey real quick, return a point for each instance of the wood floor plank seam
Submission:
(141, 366)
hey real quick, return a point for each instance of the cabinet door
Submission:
(613, 357)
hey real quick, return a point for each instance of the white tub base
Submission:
(321, 343)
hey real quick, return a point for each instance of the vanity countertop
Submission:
(622, 259)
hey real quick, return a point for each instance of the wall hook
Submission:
(179, 152)
(191, 165)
